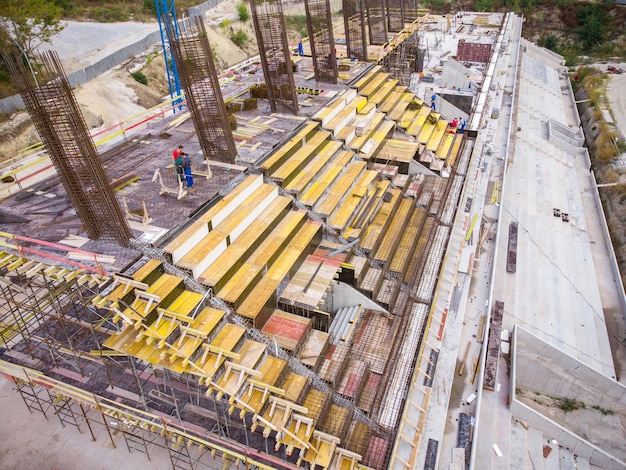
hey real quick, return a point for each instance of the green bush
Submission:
(140, 77)
(242, 11)
(549, 41)
(239, 38)
(110, 14)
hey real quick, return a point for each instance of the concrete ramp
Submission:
(581, 409)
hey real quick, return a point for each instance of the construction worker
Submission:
(186, 165)
(178, 165)
(177, 153)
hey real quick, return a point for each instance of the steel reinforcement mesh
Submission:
(410, 8)
(395, 15)
(354, 24)
(376, 21)
(194, 60)
(319, 23)
(269, 25)
(60, 124)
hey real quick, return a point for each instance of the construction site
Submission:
(290, 308)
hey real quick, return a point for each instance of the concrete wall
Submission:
(15, 103)
(539, 367)
(583, 449)
(347, 296)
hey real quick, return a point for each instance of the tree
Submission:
(29, 23)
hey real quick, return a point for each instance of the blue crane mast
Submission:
(166, 12)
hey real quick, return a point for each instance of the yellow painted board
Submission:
(266, 288)
(249, 271)
(437, 135)
(454, 152)
(236, 251)
(420, 118)
(332, 197)
(303, 178)
(218, 237)
(444, 147)
(301, 155)
(220, 210)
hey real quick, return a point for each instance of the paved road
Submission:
(82, 44)
(616, 91)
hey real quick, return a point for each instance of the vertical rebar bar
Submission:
(61, 126)
(269, 25)
(320, 25)
(194, 60)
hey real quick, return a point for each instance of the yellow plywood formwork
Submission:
(377, 138)
(367, 211)
(328, 113)
(444, 146)
(383, 92)
(376, 227)
(363, 81)
(289, 148)
(206, 251)
(454, 152)
(394, 150)
(266, 287)
(359, 141)
(327, 204)
(415, 127)
(312, 195)
(344, 212)
(437, 135)
(213, 217)
(256, 392)
(238, 370)
(407, 118)
(395, 229)
(222, 346)
(192, 335)
(146, 301)
(322, 450)
(392, 100)
(169, 319)
(315, 166)
(227, 262)
(292, 166)
(427, 128)
(404, 250)
(399, 110)
(250, 271)
(374, 84)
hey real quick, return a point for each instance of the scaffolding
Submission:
(321, 38)
(354, 25)
(194, 59)
(61, 126)
(271, 34)
(377, 21)
(401, 58)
